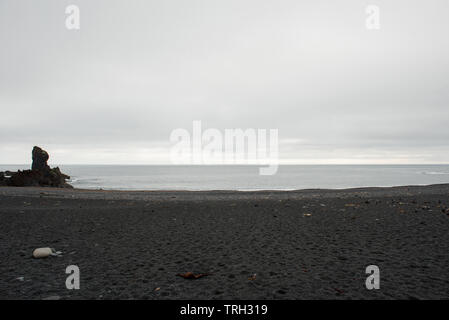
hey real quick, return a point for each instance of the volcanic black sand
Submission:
(310, 244)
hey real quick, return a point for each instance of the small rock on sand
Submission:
(42, 253)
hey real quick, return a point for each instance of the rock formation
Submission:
(40, 158)
(40, 175)
(2, 179)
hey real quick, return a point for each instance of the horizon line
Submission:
(233, 164)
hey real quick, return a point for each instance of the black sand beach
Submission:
(311, 244)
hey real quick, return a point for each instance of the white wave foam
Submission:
(434, 172)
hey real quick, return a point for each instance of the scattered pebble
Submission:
(253, 277)
(40, 253)
(191, 275)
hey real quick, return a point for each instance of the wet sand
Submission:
(310, 244)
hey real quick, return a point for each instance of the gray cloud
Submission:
(139, 69)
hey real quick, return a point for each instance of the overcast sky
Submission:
(113, 91)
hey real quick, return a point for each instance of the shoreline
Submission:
(79, 193)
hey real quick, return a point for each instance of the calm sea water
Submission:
(288, 177)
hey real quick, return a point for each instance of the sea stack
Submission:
(40, 175)
(40, 158)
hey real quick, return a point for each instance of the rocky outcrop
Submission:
(2, 179)
(40, 175)
(40, 158)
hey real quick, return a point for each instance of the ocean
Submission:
(246, 178)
